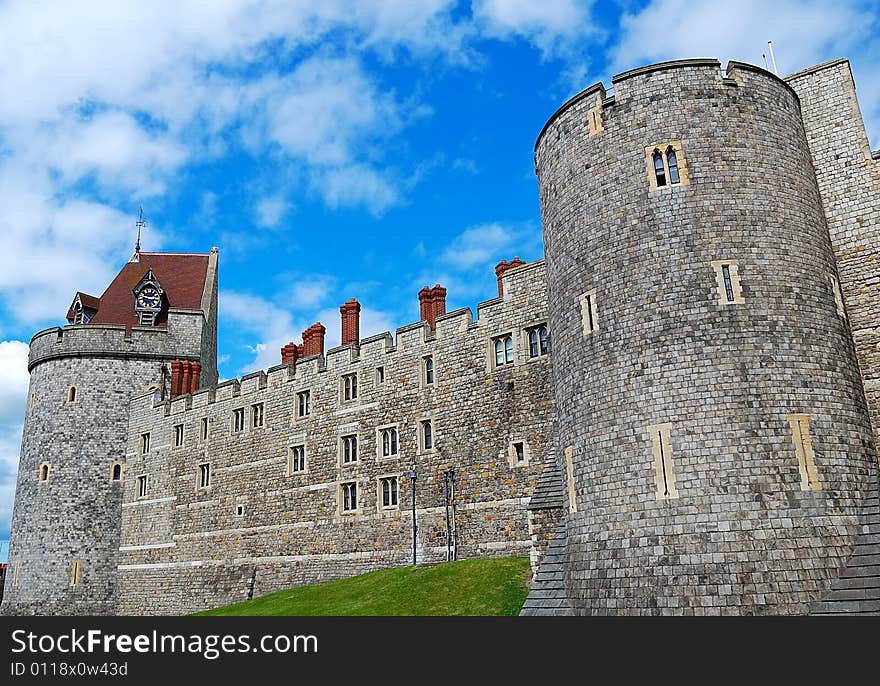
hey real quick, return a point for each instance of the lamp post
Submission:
(412, 475)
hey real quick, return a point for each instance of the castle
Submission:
(672, 412)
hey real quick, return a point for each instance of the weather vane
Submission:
(140, 224)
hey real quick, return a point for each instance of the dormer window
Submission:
(83, 308)
(148, 299)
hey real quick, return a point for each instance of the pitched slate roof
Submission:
(547, 595)
(182, 277)
(548, 491)
(857, 590)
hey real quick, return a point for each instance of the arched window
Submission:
(672, 163)
(45, 467)
(429, 370)
(389, 442)
(427, 435)
(71, 394)
(508, 349)
(116, 472)
(534, 344)
(499, 352)
(659, 170)
(545, 339)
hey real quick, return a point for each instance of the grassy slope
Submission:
(488, 586)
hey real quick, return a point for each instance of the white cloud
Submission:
(270, 210)
(485, 243)
(551, 25)
(804, 33)
(14, 380)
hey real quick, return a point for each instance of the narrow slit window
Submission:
(296, 459)
(589, 318)
(238, 420)
(178, 435)
(519, 452)
(427, 436)
(205, 475)
(727, 282)
(71, 394)
(45, 470)
(302, 404)
(116, 472)
(429, 370)
(349, 387)
(257, 415)
(380, 375)
(142, 486)
(569, 478)
(803, 447)
(838, 296)
(239, 510)
(659, 171)
(75, 573)
(204, 428)
(664, 473)
(145, 443)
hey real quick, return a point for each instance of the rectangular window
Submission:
(428, 367)
(205, 475)
(257, 415)
(238, 419)
(302, 404)
(803, 447)
(727, 282)
(380, 375)
(426, 436)
(145, 443)
(664, 474)
(349, 496)
(296, 459)
(589, 318)
(388, 441)
(239, 510)
(519, 452)
(503, 350)
(178, 435)
(349, 387)
(204, 428)
(349, 449)
(45, 471)
(142, 486)
(388, 488)
(75, 573)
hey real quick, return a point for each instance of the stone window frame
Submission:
(594, 120)
(380, 375)
(681, 163)
(568, 452)
(543, 350)
(204, 476)
(727, 283)
(145, 443)
(237, 422)
(589, 312)
(512, 453)
(420, 438)
(381, 508)
(178, 436)
(423, 371)
(303, 400)
(143, 486)
(204, 429)
(32, 400)
(504, 339)
(838, 296)
(113, 466)
(239, 509)
(72, 394)
(47, 465)
(16, 570)
(340, 498)
(803, 447)
(341, 449)
(348, 388)
(291, 448)
(664, 467)
(258, 415)
(380, 443)
(75, 575)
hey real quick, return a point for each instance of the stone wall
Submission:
(677, 406)
(849, 184)
(179, 539)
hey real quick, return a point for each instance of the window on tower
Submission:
(666, 165)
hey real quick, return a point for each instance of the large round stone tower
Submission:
(713, 432)
(66, 521)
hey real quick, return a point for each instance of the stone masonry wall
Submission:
(735, 534)
(849, 184)
(184, 548)
(76, 513)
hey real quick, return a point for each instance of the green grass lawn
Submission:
(487, 586)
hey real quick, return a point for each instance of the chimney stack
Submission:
(196, 376)
(432, 303)
(351, 314)
(503, 267)
(290, 353)
(175, 378)
(313, 340)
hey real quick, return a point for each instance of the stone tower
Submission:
(159, 314)
(714, 437)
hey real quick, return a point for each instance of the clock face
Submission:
(149, 299)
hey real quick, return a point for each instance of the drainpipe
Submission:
(412, 479)
(448, 529)
(454, 525)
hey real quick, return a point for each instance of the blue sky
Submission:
(329, 149)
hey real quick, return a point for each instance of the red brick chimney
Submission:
(186, 377)
(290, 353)
(175, 378)
(432, 303)
(313, 340)
(196, 375)
(503, 267)
(351, 314)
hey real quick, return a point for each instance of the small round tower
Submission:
(65, 535)
(712, 424)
